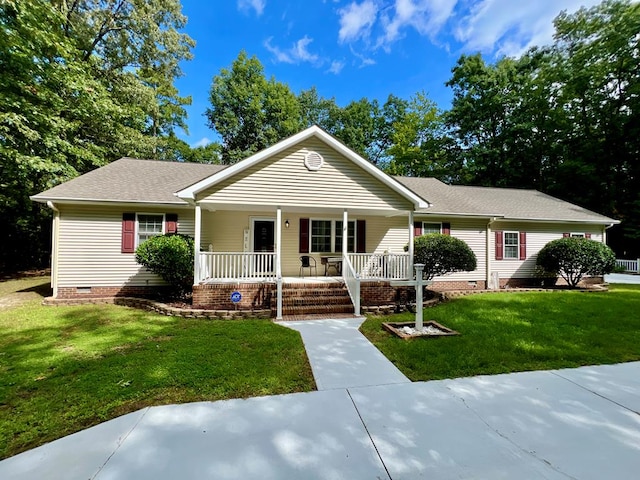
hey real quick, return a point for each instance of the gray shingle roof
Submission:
(151, 181)
(132, 180)
(503, 202)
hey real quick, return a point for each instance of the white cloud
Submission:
(364, 60)
(257, 5)
(203, 142)
(296, 54)
(505, 27)
(336, 67)
(426, 16)
(356, 20)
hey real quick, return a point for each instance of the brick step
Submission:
(316, 309)
(305, 286)
(312, 292)
(342, 300)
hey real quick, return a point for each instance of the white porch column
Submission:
(345, 233)
(487, 281)
(278, 262)
(196, 245)
(411, 247)
(278, 241)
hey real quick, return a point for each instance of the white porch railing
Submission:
(629, 265)
(237, 265)
(390, 266)
(352, 281)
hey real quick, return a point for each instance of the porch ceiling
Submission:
(265, 207)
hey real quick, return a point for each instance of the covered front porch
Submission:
(260, 253)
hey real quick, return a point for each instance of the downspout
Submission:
(54, 247)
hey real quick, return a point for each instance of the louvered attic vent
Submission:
(313, 161)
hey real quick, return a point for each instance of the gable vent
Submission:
(313, 161)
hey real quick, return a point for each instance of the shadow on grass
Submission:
(67, 368)
(43, 289)
(502, 333)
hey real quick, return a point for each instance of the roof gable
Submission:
(316, 133)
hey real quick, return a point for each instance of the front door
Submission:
(264, 236)
(263, 241)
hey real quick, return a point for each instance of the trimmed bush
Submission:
(171, 257)
(442, 254)
(573, 258)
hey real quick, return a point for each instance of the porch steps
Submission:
(307, 299)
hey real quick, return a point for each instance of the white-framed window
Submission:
(431, 227)
(325, 236)
(148, 225)
(511, 245)
(576, 235)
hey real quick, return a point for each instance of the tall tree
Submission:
(248, 111)
(82, 83)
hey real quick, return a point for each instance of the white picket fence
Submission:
(631, 266)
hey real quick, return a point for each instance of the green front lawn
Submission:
(510, 332)
(63, 369)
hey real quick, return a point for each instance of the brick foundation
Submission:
(218, 296)
(101, 292)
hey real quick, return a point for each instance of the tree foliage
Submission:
(171, 257)
(443, 254)
(82, 83)
(573, 258)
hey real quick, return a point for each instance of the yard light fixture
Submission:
(286, 223)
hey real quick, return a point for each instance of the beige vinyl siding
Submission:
(226, 229)
(474, 233)
(284, 180)
(538, 235)
(89, 252)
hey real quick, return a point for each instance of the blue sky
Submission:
(356, 48)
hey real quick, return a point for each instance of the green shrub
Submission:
(171, 257)
(573, 258)
(442, 254)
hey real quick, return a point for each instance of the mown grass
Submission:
(63, 369)
(518, 332)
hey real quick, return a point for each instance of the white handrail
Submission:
(352, 281)
(629, 265)
(237, 265)
(389, 266)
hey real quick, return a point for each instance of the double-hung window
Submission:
(511, 245)
(149, 225)
(321, 236)
(428, 228)
(326, 236)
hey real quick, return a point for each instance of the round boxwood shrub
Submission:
(442, 254)
(171, 257)
(573, 258)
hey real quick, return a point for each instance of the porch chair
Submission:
(309, 262)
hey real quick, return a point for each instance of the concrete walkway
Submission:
(622, 278)
(341, 357)
(369, 422)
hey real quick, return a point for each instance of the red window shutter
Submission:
(304, 235)
(417, 229)
(499, 242)
(566, 235)
(361, 236)
(587, 235)
(128, 232)
(523, 245)
(171, 223)
(446, 229)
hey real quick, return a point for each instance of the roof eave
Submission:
(97, 201)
